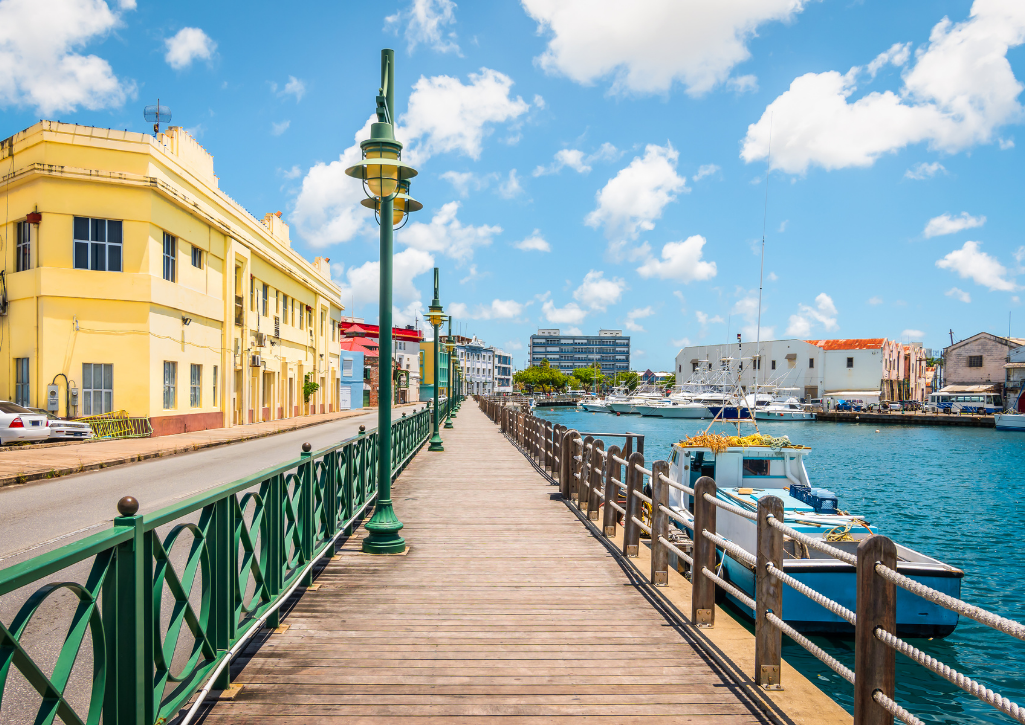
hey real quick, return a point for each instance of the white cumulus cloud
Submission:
(680, 262)
(188, 45)
(497, 310)
(823, 313)
(706, 170)
(912, 335)
(645, 46)
(946, 224)
(705, 319)
(279, 128)
(958, 294)
(578, 160)
(923, 170)
(970, 262)
(446, 234)
(534, 243)
(40, 66)
(637, 314)
(634, 198)
(571, 314)
(597, 292)
(427, 23)
(295, 88)
(959, 91)
(362, 284)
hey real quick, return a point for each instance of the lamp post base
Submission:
(383, 528)
(448, 424)
(436, 443)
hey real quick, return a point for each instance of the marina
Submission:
(930, 488)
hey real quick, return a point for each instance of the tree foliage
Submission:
(587, 377)
(541, 377)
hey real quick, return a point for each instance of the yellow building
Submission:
(127, 270)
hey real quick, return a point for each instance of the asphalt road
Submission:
(40, 516)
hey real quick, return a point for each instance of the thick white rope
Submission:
(619, 460)
(980, 615)
(894, 709)
(673, 484)
(673, 515)
(668, 544)
(818, 544)
(967, 684)
(730, 588)
(730, 507)
(831, 662)
(813, 595)
(735, 551)
(642, 469)
(619, 483)
(616, 506)
(641, 524)
(641, 496)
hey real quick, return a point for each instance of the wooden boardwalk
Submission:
(505, 606)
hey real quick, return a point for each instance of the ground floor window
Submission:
(21, 384)
(97, 388)
(170, 385)
(195, 386)
(215, 402)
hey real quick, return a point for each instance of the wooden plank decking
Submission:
(505, 606)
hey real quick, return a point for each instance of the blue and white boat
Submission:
(744, 474)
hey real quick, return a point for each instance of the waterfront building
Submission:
(405, 356)
(649, 377)
(566, 353)
(477, 361)
(136, 283)
(829, 369)
(1014, 378)
(503, 372)
(351, 377)
(979, 361)
(427, 369)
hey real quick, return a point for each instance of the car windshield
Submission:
(6, 407)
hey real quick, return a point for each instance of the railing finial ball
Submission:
(362, 429)
(128, 506)
(307, 448)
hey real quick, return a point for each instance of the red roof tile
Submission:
(871, 343)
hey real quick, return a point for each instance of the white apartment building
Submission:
(836, 369)
(407, 356)
(477, 364)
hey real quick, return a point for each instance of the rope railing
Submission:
(598, 475)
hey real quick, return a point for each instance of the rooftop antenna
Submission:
(157, 115)
(951, 337)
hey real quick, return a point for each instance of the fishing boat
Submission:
(1012, 419)
(596, 405)
(781, 408)
(745, 470)
(684, 409)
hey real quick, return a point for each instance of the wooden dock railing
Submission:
(590, 477)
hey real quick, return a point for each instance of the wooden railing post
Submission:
(584, 482)
(566, 463)
(702, 598)
(768, 595)
(612, 470)
(634, 482)
(659, 524)
(874, 661)
(595, 479)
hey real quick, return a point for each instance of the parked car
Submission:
(894, 407)
(850, 406)
(815, 405)
(65, 430)
(19, 424)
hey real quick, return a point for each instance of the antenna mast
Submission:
(761, 268)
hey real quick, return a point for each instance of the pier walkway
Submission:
(503, 606)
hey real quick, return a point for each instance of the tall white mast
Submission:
(761, 269)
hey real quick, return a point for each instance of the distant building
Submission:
(477, 362)
(427, 370)
(355, 340)
(979, 360)
(405, 356)
(1014, 379)
(870, 369)
(609, 348)
(351, 378)
(652, 378)
(503, 372)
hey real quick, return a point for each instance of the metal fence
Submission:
(168, 598)
(591, 478)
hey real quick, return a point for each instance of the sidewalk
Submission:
(30, 463)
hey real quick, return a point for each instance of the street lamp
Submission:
(450, 349)
(386, 183)
(436, 315)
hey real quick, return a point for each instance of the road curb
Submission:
(120, 461)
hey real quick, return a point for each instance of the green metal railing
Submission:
(249, 544)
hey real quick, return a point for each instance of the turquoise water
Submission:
(957, 494)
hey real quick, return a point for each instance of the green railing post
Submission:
(223, 557)
(330, 468)
(308, 526)
(275, 544)
(127, 620)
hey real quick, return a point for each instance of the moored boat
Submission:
(747, 469)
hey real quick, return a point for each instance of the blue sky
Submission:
(594, 163)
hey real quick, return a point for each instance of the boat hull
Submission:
(916, 617)
(781, 415)
(730, 412)
(621, 407)
(1009, 421)
(686, 411)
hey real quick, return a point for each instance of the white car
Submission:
(65, 430)
(19, 424)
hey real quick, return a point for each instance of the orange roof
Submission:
(870, 343)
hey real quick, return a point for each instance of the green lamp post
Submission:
(386, 184)
(450, 348)
(436, 315)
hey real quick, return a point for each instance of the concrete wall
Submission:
(994, 351)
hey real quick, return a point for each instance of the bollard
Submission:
(634, 482)
(874, 661)
(702, 598)
(768, 595)
(659, 524)
(612, 470)
(595, 479)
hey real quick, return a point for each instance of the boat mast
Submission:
(761, 269)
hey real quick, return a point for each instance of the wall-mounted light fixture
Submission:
(186, 320)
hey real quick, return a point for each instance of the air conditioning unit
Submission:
(261, 339)
(277, 326)
(238, 346)
(255, 361)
